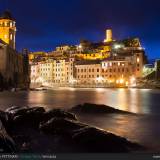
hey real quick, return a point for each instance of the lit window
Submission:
(11, 37)
(6, 24)
(5, 36)
(11, 24)
(137, 60)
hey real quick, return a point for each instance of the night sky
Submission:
(44, 24)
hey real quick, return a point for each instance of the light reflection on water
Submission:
(144, 129)
(142, 101)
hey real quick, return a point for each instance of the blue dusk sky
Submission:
(44, 24)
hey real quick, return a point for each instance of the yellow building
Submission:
(92, 56)
(35, 55)
(7, 29)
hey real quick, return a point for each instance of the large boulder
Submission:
(15, 110)
(4, 118)
(7, 144)
(58, 113)
(22, 117)
(95, 109)
(96, 140)
(60, 126)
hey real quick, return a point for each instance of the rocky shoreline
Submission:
(34, 130)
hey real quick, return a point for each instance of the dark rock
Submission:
(36, 110)
(19, 111)
(60, 125)
(7, 144)
(14, 111)
(30, 117)
(95, 140)
(12, 108)
(58, 113)
(95, 109)
(4, 118)
(33, 128)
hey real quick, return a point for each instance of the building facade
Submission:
(52, 72)
(105, 63)
(88, 73)
(14, 67)
(8, 29)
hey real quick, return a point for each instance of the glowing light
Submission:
(117, 46)
(132, 81)
(80, 46)
(73, 81)
(99, 79)
(117, 81)
(138, 60)
(121, 81)
(126, 83)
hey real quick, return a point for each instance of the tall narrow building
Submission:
(8, 29)
(108, 36)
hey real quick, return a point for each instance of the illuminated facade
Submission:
(117, 71)
(52, 72)
(109, 37)
(103, 63)
(8, 29)
(35, 73)
(88, 73)
(92, 56)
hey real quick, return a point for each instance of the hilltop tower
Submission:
(108, 35)
(8, 29)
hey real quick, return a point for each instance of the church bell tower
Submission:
(8, 29)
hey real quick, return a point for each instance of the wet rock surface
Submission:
(58, 113)
(96, 109)
(60, 126)
(34, 130)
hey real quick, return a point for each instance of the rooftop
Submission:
(88, 62)
(6, 15)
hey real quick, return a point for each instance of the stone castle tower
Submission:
(8, 29)
(109, 37)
